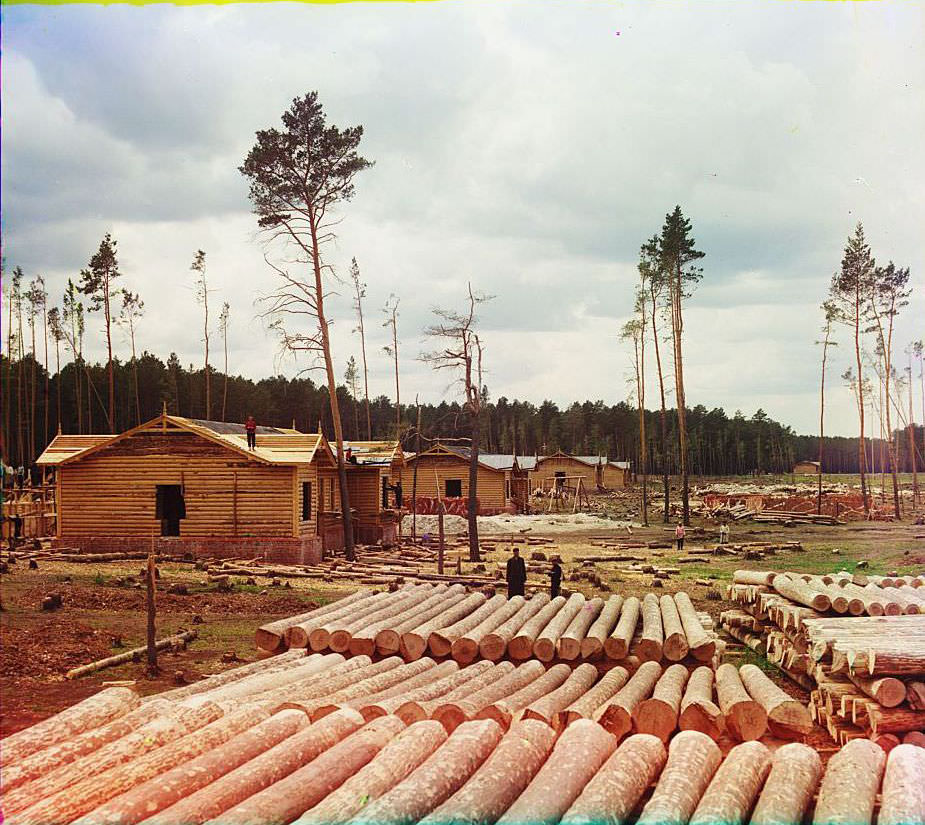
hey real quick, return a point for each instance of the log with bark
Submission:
(102, 707)
(309, 784)
(674, 645)
(592, 646)
(578, 754)
(521, 646)
(790, 786)
(547, 708)
(414, 642)
(451, 714)
(614, 791)
(150, 797)
(787, 718)
(437, 778)
(264, 770)
(545, 646)
(903, 795)
(594, 700)
(702, 646)
(177, 641)
(501, 779)
(465, 649)
(693, 758)
(441, 640)
(698, 711)
(658, 715)
(849, 787)
(745, 718)
(391, 765)
(506, 710)
(617, 716)
(649, 646)
(494, 644)
(732, 792)
(617, 644)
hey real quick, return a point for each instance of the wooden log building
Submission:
(807, 468)
(183, 485)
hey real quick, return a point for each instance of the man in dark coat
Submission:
(516, 575)
(555, 577)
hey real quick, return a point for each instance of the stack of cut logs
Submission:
(448, 621)
(324, 740)
(857, 643)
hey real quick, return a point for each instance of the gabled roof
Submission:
(620, 465)
(375, 452)
(274, 445)
(461, 453)
(63, 447)
(590, 460)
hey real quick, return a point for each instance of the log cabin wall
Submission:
(113, 492)
(614, 477)
(547, 468)
(437, 470)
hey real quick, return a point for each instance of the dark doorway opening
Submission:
(560, 480)
(170, 508)
(453, 488)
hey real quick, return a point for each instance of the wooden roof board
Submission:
(282, 447)
(63, 447)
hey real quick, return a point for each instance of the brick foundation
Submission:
(304, 550)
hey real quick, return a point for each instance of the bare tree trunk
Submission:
(414, 480)
(825, 350)
(131, 329)
(7, 432)
(47, 370)
(347, 515)
(397, 393)
(677, 330)
(58, 378)
(33, 381)
(152, 612)
(472, 512)
(862, 455)
(110, 375)
(369, 420)
(911, 431)
(666, 486)
(640, 347)
(225, 389)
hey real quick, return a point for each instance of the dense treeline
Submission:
(719, 444)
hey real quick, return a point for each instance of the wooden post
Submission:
(440, 534)
(152, 638)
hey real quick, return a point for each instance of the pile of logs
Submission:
(856, 643)
(449, 622)
(320, 740)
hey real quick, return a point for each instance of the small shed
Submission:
(616, 475)
(807, 468)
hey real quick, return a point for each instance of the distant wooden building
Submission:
(806, 468)
(185, 485)
(615, 475)
(374, 477)
(443, 473)
(564, 466)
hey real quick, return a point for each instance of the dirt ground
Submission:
(102, 609)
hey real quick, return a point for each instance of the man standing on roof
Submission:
(250, 427)
(516, 575)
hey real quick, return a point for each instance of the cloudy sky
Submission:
(529, 147)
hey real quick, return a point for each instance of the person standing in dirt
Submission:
(516, 575)
(250, 427)
(679, 534)
(724, 533)
(555, 577)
